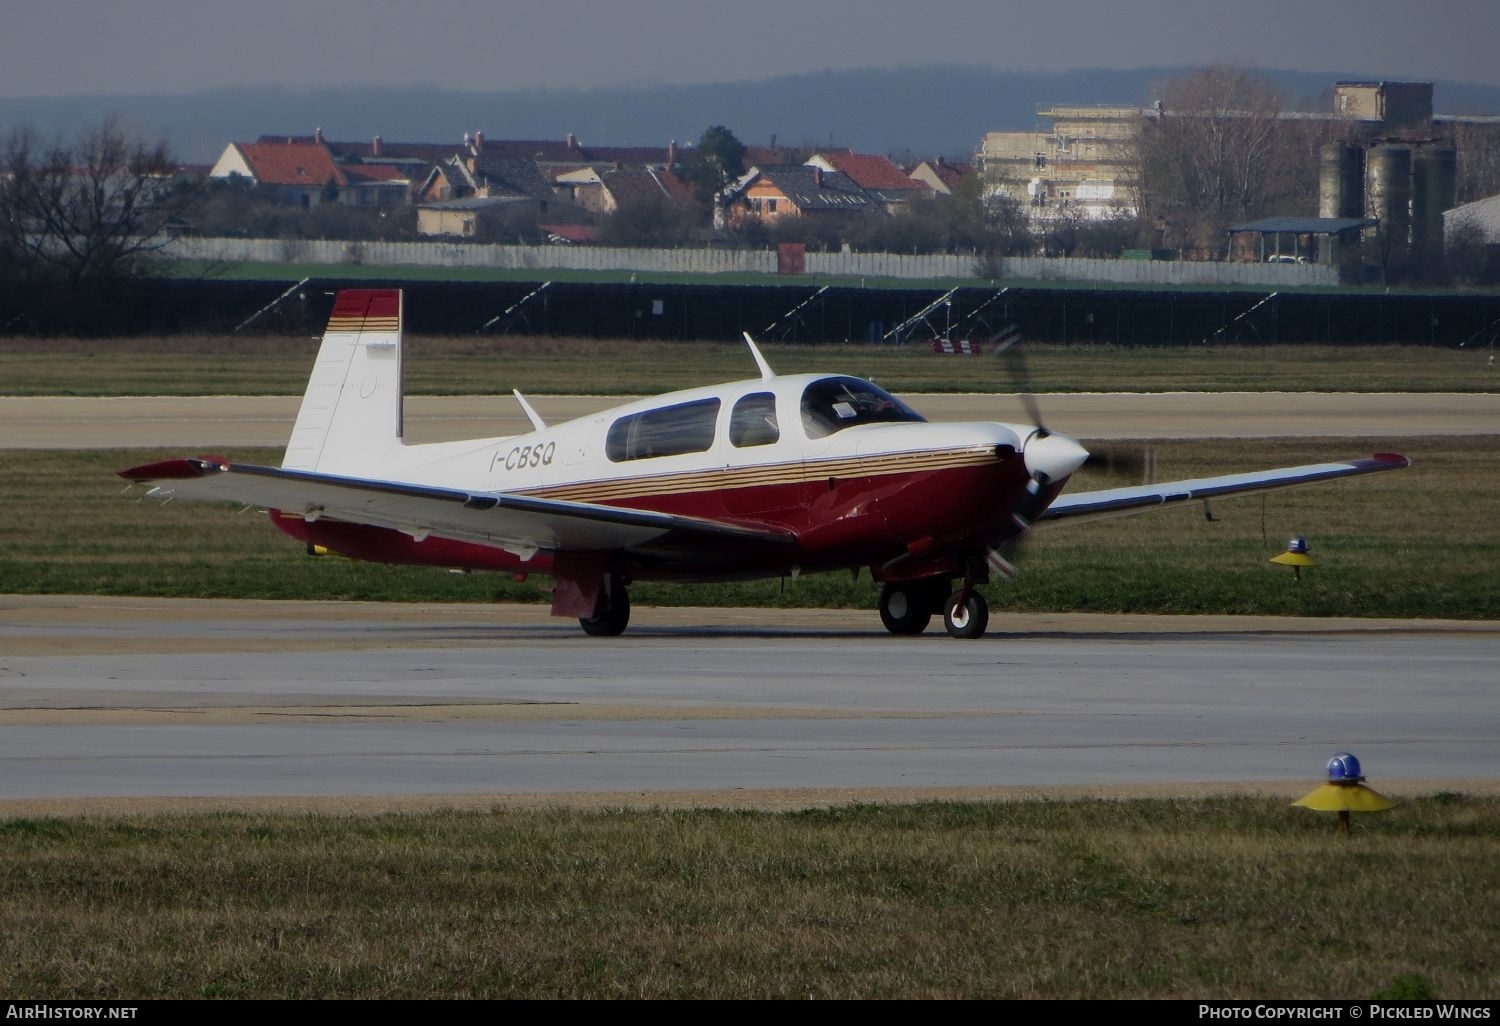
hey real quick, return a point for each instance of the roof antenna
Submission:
(766, 373)
(531, 414)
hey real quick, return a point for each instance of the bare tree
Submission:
(1215, 151)
(1009, 228)
(79, 218)
(1478, 147)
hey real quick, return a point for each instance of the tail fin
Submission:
(352, 409)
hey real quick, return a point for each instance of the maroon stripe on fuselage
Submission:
(839, 522)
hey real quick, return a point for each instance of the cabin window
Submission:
(669, 431)
(832, 404)
(753, 421)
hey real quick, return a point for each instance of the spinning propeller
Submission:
(1047, 457)
(1109, 459)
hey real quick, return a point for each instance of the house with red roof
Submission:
(299, 173)
(878, 176)
(303, 172)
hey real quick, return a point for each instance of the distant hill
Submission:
(911, 111)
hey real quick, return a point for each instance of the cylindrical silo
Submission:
(1434, 184)
(1341, 181)
(1354, 182)
(1388, 171)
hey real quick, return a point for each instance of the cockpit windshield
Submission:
(832, 404)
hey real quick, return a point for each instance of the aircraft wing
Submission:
(1110, 502)
(517, 523)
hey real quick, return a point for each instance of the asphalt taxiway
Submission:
(123, 700)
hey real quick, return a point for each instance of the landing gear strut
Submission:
(966, 614)
(906, 607)
(610, 622)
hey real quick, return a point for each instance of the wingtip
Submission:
(175, 470)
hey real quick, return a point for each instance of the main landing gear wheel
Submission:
(904, 609)
(966, 616)
(611, 622)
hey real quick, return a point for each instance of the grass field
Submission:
(274, 365)
(1422, 542)
(1213, 898)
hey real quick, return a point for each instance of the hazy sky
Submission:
(68, 47)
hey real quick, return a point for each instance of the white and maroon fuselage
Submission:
(858, 478)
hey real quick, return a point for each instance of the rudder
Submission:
(352, 409)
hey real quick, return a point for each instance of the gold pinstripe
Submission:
(773, 474)
(361, 324)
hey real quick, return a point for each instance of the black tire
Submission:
(611, 622)
(906, 607)
(967, 619)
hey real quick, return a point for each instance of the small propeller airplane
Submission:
(776, 475)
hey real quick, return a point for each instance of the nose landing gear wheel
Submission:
(966, 616)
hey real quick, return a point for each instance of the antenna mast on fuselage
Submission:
(766, 373)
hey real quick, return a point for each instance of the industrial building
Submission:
(1389, 167)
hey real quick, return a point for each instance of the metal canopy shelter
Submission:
(1332, 229)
